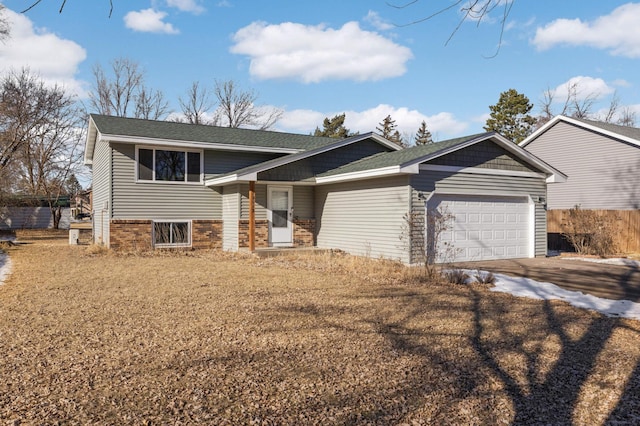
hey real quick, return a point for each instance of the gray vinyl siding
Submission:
(218, 163)
(261, 202)
(101, 187)
(156, 200)
(426, 182)
(602, 171)
(364, 217)
(486, 154)
(303, 202)
(318, 164)
(230, 217)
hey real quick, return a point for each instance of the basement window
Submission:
(172, 234)
(165, 165)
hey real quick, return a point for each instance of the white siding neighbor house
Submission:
(601, 161)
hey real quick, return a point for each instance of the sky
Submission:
(364, 58)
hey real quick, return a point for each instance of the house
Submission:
(164, 184)
(601, 160)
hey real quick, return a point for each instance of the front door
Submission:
(280, 212)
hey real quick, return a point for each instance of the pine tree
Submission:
(333, 128)
(388, 130)
(510, 116)
(423, 137)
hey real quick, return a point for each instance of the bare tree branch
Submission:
(196, 104)
(124, 92)
(476, 10)
(62, 5)
(237, 108)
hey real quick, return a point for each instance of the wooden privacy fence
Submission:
(627, 237)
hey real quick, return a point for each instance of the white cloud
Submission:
(617, 32)
(378, 23)
(149, 21)
(621, 83)
(186, 6)
(315, 53)
(586, 87)
(54, 59)
(441, 125)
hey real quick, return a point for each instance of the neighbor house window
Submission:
(171, 234)
(166, 165)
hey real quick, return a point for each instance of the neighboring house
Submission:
(601, 160)
(164, 184)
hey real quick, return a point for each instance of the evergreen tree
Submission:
(423, 137)
(510, 116)
(334, 128)
(388, 130)
(72, 186)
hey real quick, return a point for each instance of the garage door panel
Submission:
(484, 228)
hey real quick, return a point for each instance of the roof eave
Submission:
(578, 123)
(90, 144)
(138, 140)
(360, 175)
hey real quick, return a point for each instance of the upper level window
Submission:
(165, 165)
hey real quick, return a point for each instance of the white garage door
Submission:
(483, 228)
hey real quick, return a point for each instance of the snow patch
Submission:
(5, 267)
(525, 287)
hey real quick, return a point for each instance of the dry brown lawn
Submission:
(91, 337)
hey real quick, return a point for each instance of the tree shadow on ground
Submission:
(558, 353)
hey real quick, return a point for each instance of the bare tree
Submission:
(151, 105)
(196, 103)
(237, 108)
(124, 93)
(576, 104)
(41, 130)
(612, 111)
(627, 117)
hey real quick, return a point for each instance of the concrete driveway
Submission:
(601, 280)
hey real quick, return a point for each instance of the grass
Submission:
(91, 337)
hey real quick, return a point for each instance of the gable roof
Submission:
(166, 133)
(408, 160)
(630, 135)
(251, 172)
(399, 161)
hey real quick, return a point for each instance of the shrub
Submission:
(487, 278)
(455, 276)
(589, 232)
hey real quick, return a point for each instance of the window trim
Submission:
(153, 168)
(172, 245)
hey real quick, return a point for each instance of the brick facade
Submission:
(206, 234)
(304, 232)
(262, 233)
(136, 234)
(128, 234)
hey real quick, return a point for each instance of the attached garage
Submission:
(483, 227)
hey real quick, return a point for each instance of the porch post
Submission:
(252, 215)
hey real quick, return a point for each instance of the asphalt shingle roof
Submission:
(630, 132)
(398, 158)
(202, 133)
